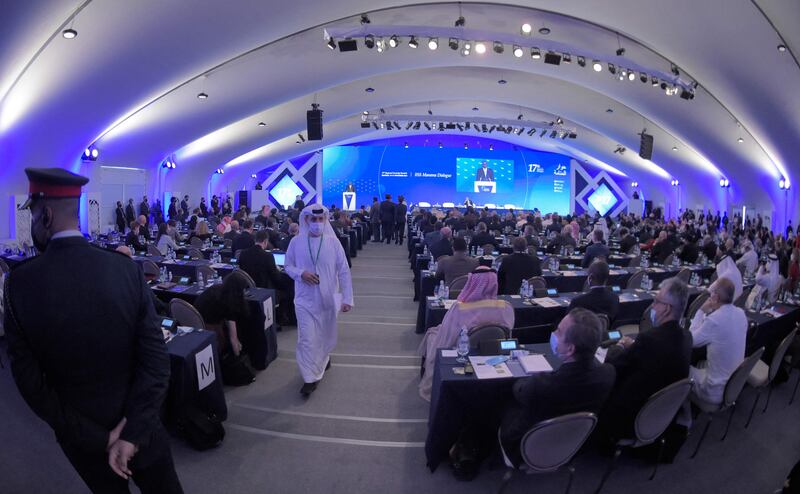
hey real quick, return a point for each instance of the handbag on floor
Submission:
(202, 430)
(235, 371)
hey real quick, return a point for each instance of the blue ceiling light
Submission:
(90, 154)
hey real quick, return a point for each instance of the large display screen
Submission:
(523, 178)
(602, 199)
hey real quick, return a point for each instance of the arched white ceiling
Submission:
(132, 75)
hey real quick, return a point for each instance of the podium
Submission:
(349, 201)
(485, 186)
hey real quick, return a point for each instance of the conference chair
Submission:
(635, 281)
(194, 254)
(733, 388)
(635, 262)
(551, 444)
(487, 332)
(696, 304)
(644, 324)
(742, 300)
(762, 376)
(227, 243)
(243, 274)
(650, 424)
(605, 324)
(684, 275)
(488, 249)
(794, 364)
(537, 283)
(669, 260)
(237, 253)
(539, 333)
(152, 250)
(208, 273)
(196, 242)
(457, 285)
(185, 314)
(150, 269)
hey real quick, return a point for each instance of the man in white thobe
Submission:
(749, 259)
(316, 261)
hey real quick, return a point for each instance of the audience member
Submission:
(245, 239)
(442, 247)
(201, 231)
(481, 238)
(516, 267)
(599, 299)
(770, 279)
(260, 263)
(726, 268)
(626, 241)
(749, 260)
(596, 249)
(164, 241)
(221, 306)
(387, 210)
(133, 239)
(294, 229)
(457, 265)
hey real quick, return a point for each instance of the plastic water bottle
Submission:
(200, 280)
(523, 289)
(441, 290)
(446, 293)
(462, 349)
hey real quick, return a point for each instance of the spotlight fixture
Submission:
(440, 144)
(475, 108)
(466, 49)
(674, 69)
(609, 110)
(408, 126)
(466, 125)
(382, 111)
(405, 145)
(674, 148)
(416, 126)
(634, 184)
(502, 82)
(567, 58)
(331, 43)
(612, 68)
(517, 51)
(519, 117)
(95, 153)
(536, 54)
(740, 140)
(531, 132)
(202, 96)
(597, 66)
(687, 95)
(552, 58)
(69, 33)
(544, 30)
(544, 131)
(526, 28)
(427, 126)
(253, 176)
(674, 183)
(498, 47)
(781, 48)
(375, 124)
(784, 184)
(412, 43)
(631, 75)
(553, 134)
(620, 51)
(383, 125)
(219, 171)
(491, 147)
(465, 146)
(302, 139)
(433, 43)
(364, 19)
(430, 112)
(380, 45)
(393, 41)
(369, 41)
(453, 44)
(480, 48)
(654, 81)
(460, 22)
(370, 90)
(90, 154)
(582, 62)
(559, 121)
(643, 77)
(364, 125)
(725, 183)
(262, 124)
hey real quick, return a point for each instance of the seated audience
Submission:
(260, 263)
(477, 305)
(294, 229)
(442, 247)
(456, 265)
(596, 249)
(599, 299)
(657, 358)
(626, 240)
(221, 306)
(580, 384)
(662, 248)
(245, 239)
(133, 238)
(434, 235)
(481, 238)
(144, 229)
(794, 270)
(770, 279)
(690, 252)
(172, 230)
(709, 248)
(201, 231)
(721, 327)
(726, 268)
(749, 260)
(164, 241)
(516, 267)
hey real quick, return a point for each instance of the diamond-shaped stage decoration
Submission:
(285, 191)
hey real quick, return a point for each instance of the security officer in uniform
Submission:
(85, 347)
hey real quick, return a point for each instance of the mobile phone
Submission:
(614, 335)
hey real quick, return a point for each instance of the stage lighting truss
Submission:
(555, 129)
(472, 42)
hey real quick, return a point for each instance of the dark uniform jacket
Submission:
(387, 209)
(260, 265)
(85, 345)
(600, 300)
(515, 268)
(144, 209)
(120, 219)
(243, 241)
(130, 214)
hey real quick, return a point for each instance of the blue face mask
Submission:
(554, 344)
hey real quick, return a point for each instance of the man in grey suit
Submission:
(459, 264)
(597, 249)
(434, 236)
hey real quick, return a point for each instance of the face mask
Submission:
(315, 228)
(554, 345)
(653, 316)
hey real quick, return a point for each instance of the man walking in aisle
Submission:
(317, 263)
(387, 218)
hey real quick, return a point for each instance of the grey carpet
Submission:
(345, 438)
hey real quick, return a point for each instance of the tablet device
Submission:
(169, 324)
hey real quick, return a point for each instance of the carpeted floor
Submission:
(364, 429)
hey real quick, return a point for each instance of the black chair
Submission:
(487, 332)
(763, 376)
(635, 281)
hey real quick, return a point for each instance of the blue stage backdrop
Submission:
(522, 177)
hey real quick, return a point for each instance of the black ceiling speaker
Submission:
(552, 58)
(348, 45)
(646, 146)
(314, 123)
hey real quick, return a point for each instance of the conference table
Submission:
(257, 332)
(186, 268)
(453, 396)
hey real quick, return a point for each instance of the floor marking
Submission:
(363, 366)
(331, 416)
(325, 439)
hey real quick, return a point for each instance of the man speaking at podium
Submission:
(485, 174)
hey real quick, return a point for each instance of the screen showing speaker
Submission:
(523, 177)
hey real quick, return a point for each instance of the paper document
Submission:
(448, 303)
(483, 371)
(534, 363)
(600, 354)
(570, 273)
(449, 353)
(547, 302)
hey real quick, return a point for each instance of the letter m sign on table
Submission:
(205, 367)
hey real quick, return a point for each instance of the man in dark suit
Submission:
(203, 208)
(596, 249)
(375, 219)
(434, 235)
(260, 264)
(443, 246)
(485, 174)
(299, 204)
(656, 358)
(185, 204)
(516, 267)
(172, 211)
(388, 209)
(144, 208)
(119, 217)
(626, 240)
(690, 252)
(245, 239)
(456, 265)
(709, 248)
(481, 238)
(132, 238)
(130, 212)
(400, 212)
(93, 365)
(580, 384)
(599, 299)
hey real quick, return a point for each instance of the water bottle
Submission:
(200, 280)
(441, 290)
(446, 293)
(529, 289)
(523, 288)
(436, 292)
(169, 276)
(462, 349)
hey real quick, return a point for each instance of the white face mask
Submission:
(315, 228)
(653, 316)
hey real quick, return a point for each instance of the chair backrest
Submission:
(487, 249)
(195, 254)
(645, 322)
(487, 332)
(742, 300)
(635, 281)
(196, 242)
(777, 359)
(185, 314)
(684, 275)
(237, 253)
(245, 276)
(150, 269)
(153, 250)
(207, 271)
(659, 410)
(458, 283)
(632, 248)
(537, 283)
(668, 261)
(696, 304)
(605, 322)
(552, 443)
(4, 267)
(227, 243)
(739, 377)
(635, 262)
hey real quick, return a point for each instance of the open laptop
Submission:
(280, 258)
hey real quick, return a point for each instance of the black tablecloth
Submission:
(184, 382)
(182, 268)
